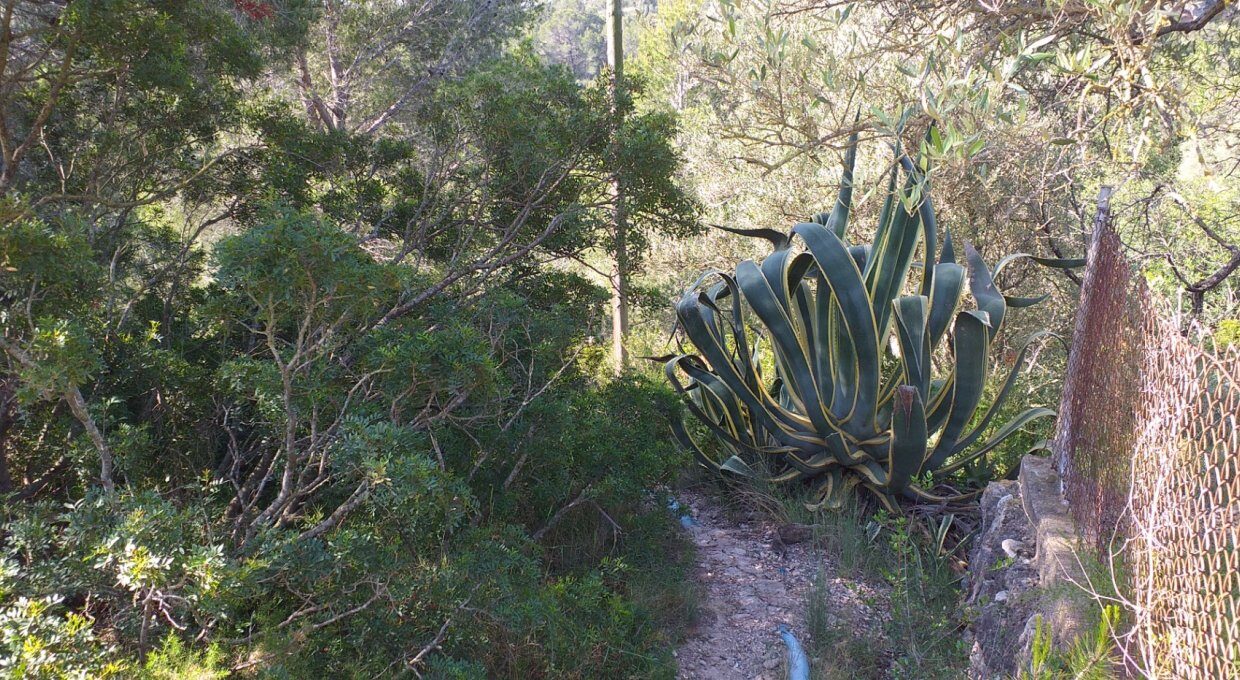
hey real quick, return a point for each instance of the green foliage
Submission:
(890, 565)
(570, 32)
(39, 641)
(1089, 658)
(65, 358)
(345, 372)
(175, 661)
(54, 260)
(838, 387)
(447, 507)
(1228, 333)
(925, 608)
(841, 654)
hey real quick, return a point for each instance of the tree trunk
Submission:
(7, 400)
(620, 275)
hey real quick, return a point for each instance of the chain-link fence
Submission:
(1147, 442)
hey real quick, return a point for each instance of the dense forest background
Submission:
(305, 302)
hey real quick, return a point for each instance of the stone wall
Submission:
(1022, 569)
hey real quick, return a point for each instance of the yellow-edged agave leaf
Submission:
(844, 409)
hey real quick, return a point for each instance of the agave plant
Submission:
(814, 388)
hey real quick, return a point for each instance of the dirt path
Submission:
(751, 583)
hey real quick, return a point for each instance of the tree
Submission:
(1058, 102)
(572, 33)
(296, 374)
(620, 276)
(378, 63)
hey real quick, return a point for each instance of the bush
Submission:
(319, 493)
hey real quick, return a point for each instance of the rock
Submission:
(996, 581)
(792, 534)
(1014, 548)
(770, 664)
(769, 588)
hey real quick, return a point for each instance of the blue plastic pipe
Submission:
(686, 520)
(798, 663)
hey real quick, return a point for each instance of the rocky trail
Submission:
(752, 582)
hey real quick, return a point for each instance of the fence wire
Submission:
(1147, 444)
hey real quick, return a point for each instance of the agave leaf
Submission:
(778, 239)
(929, 224)
(1059, 262)
(814, 465)
(725, 407)
(949, 250)
(1015, 302)
(982, 286)
(1004, 392)
(694, 318)
(825, 333)
(860, 255)
(889, 264)
(917, 493)
(833, 491)
(774, 269)
(971, 347)
(682, 436)
(885, 216)
(696, 404)
(784, 339)
(1005, 261)
(796, 283)
(944, 299)
(843, 362)
(907, 450)
(856, 317)
(940, 406)
(838, 221)
(1009, 428)
(914, 343)
(737, 466)
(1014, 471)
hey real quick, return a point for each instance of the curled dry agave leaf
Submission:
(845, 406)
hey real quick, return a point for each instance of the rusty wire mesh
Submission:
(1147, 443)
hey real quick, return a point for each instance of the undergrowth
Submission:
(923, 617)
(897, 572)
(1093, 655)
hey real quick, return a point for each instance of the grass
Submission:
(922, 637)
(919, 636)
(649, 564)
(1089, 658)
(660, 579)
(837, 652)
(924, 631)
(1092, 656)
(852, 536)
